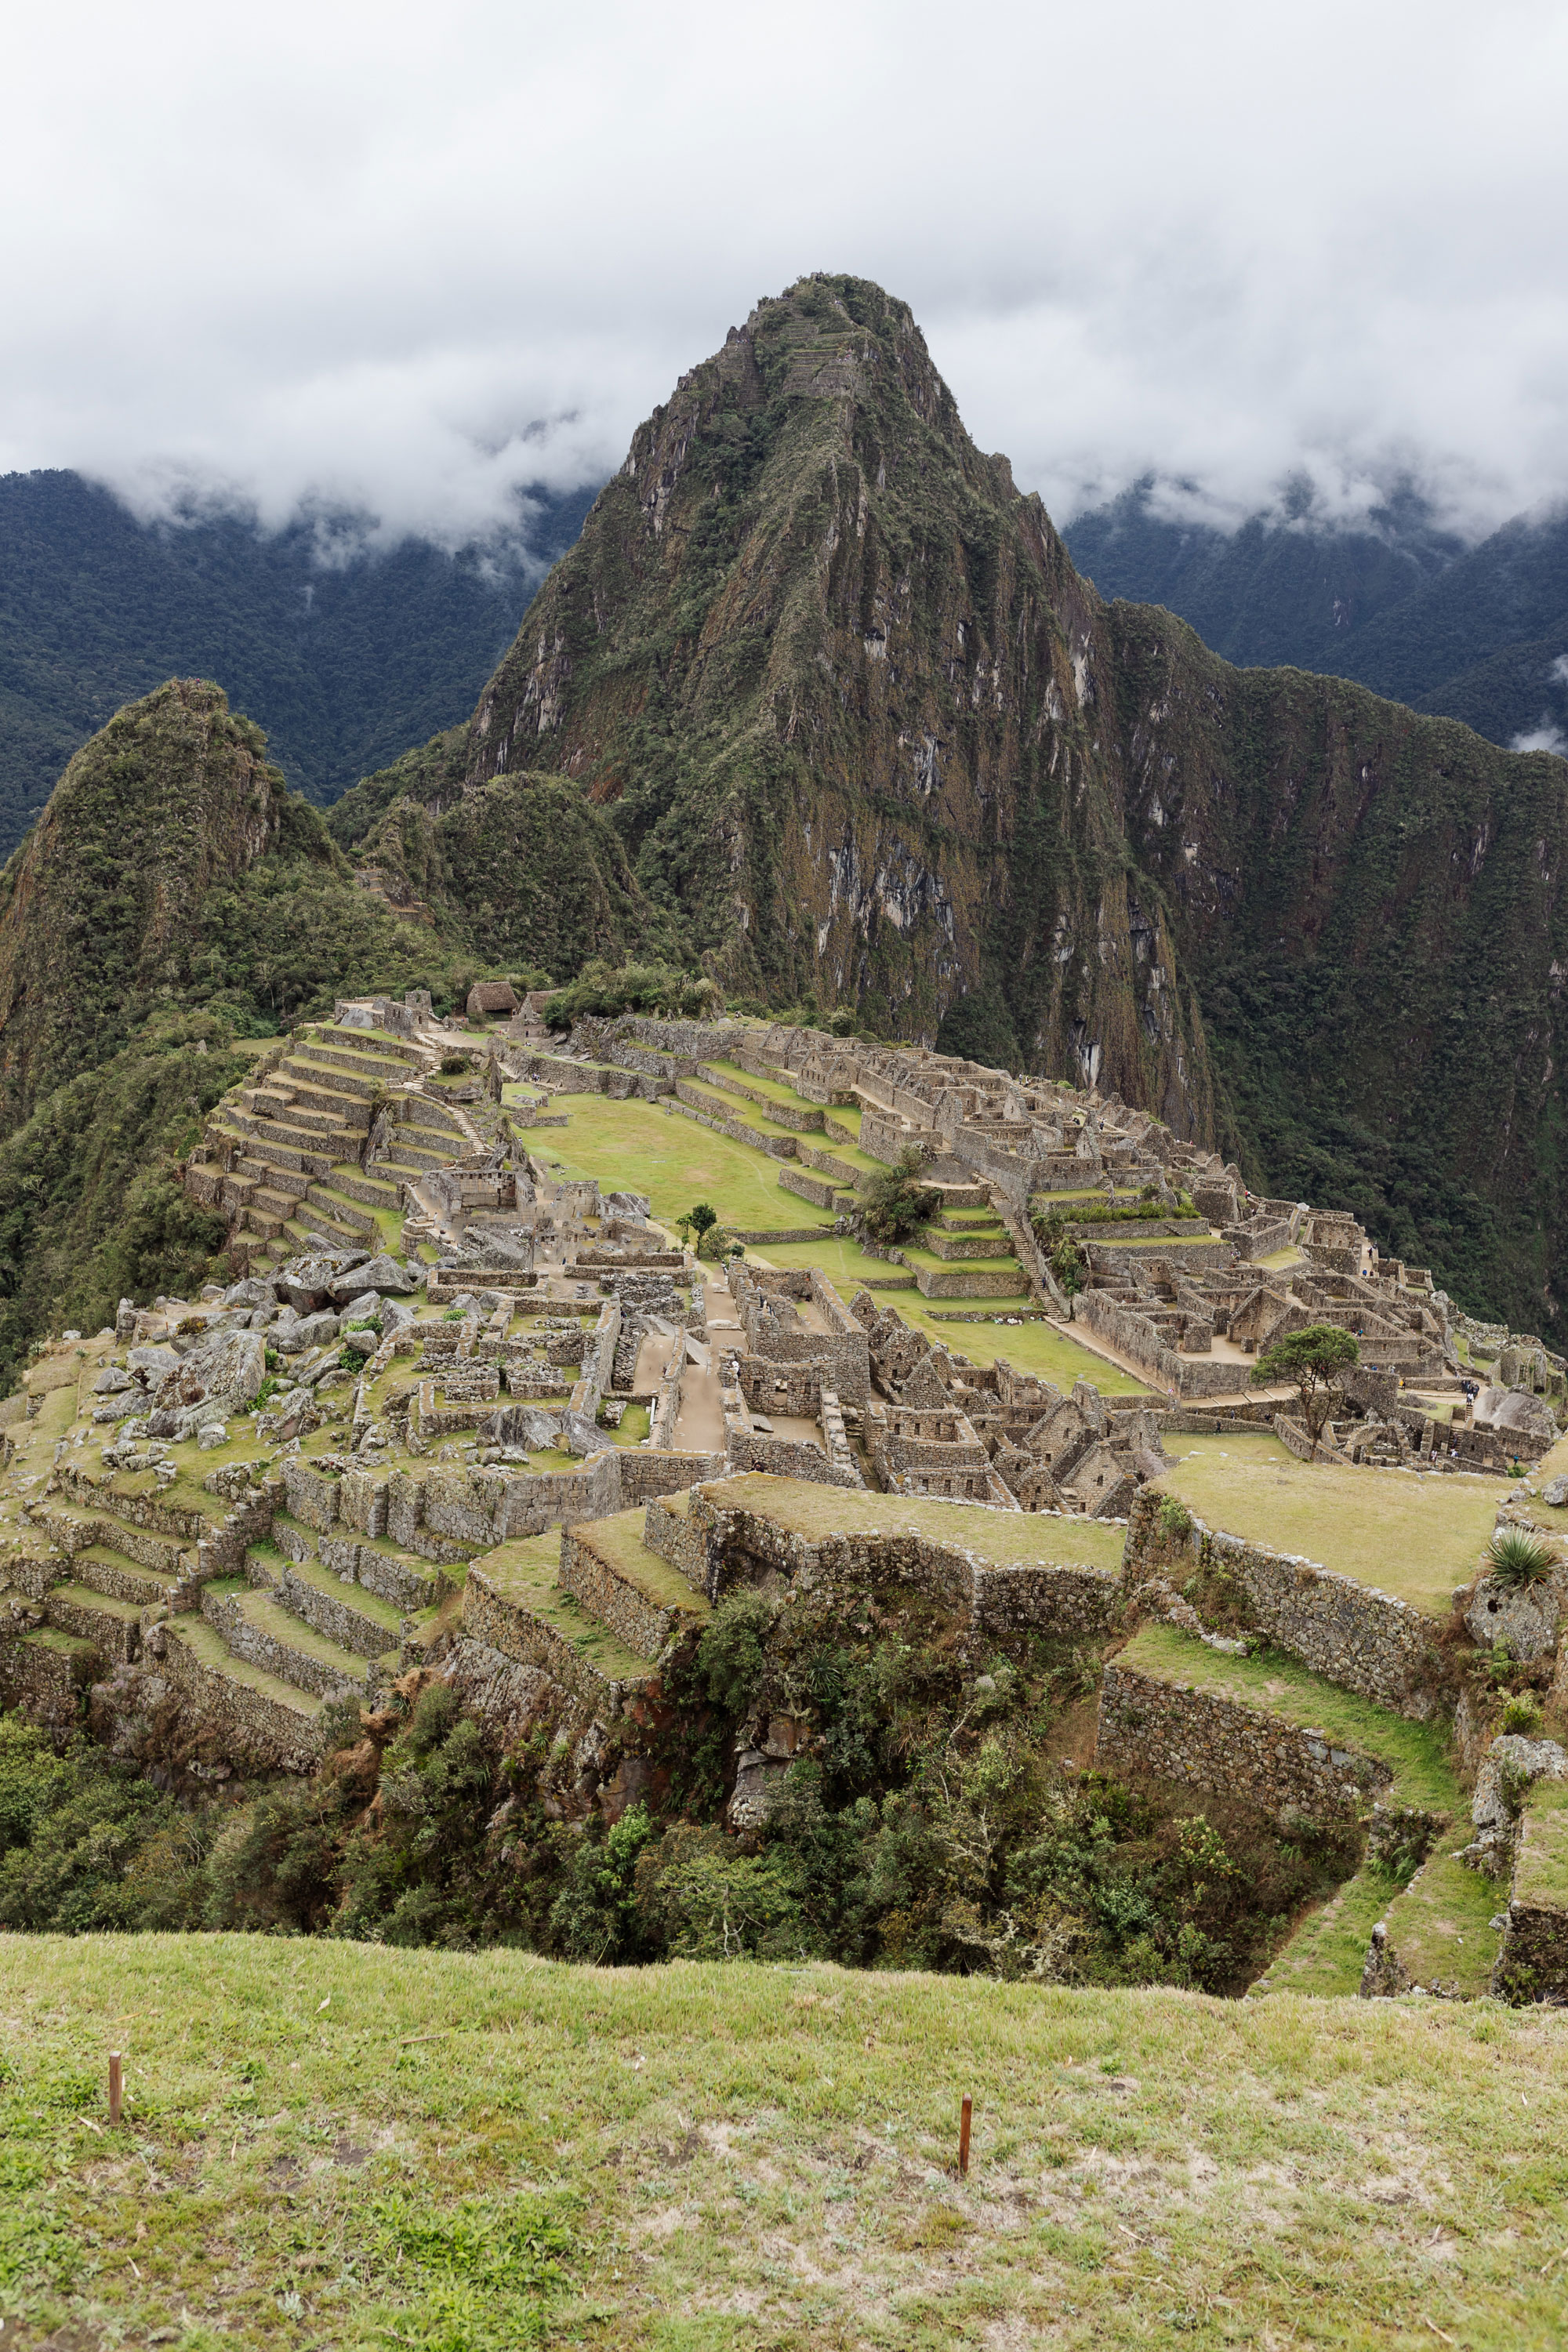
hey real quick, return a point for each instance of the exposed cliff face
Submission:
(831, 673)
(99, 905)
(1373, 905)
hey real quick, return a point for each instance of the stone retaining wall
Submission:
(935, 1282)
(695, 1105)
(252, 1642)
(511, 1629)
(722, 1546)
(256, 1732)
(1166, 1731)
(44, 1684)
(1351, 1634)
(820, 1190)
(800, 1122)
(643, 1624)
(646, 1472)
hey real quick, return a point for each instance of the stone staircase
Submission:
(293, 1144)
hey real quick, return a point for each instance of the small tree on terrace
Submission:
(1316, 1359)
(894, 1201)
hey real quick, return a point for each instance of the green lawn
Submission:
(331, 2143)
(639, 1147)
(1416, 1536)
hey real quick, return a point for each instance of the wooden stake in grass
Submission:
(963, 2122)
(114, 2088)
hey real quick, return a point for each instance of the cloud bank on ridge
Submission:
(408, 262)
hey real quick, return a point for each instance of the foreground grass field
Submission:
(328, 2143)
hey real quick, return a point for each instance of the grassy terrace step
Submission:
(379, 1045)
(66, 1645)
(415, 1159)
(1440, 1925)
(405, 1580)
(349, 1615)
(380, 1068)
(287, 1646)
(315, 1090)
(109, 1571)
(527, 1575)
(1439, 1921)
(618, 1540)
(608, 1567)
(917, 1256)
(1416, 1753)
(209, 1650)
(112, 1626)
(997, 1539)
(324, 1075)
(747, 1119)
(1417, 1538)
(352, 1214)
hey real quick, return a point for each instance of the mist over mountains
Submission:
(1478, 634)
(345, 662)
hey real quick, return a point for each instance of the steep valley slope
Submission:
(867, 735)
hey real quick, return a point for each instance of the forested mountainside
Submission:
(342, 662)
(1479, 634)
(865, 732)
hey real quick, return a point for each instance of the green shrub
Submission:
(1522, 1714)
(1515, 1558)
(893, 1202)
(601, 992)
(730, 1661)
(1174, 1520)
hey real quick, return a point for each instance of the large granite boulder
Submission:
(383, 1274)
(306, 1283)
(252, 1292)
(1515, 1409)
(1525, 1616)
(306, 1331)
(220, 1375)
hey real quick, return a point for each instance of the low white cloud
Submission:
(1545, 737)
(408, 262)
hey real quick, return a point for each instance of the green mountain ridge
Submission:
(342, 656)
(1474, 634)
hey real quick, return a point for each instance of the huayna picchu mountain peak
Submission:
(836, 677)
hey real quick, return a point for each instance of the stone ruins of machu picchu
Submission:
(473, 1405)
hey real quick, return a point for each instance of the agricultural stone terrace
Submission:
(471, 1405)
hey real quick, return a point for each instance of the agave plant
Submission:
(1515, 1557)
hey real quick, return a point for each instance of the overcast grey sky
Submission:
(358, 252)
